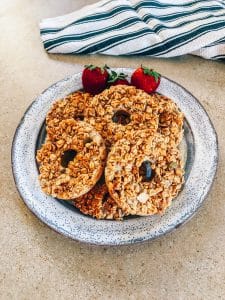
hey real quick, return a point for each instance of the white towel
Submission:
(160, 28)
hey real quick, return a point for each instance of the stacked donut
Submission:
(114, 154)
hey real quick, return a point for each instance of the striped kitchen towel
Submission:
(160, 28)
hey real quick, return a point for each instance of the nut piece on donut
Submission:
(72, 164)
(141, 180)
(121, 109)
(70, 107)
(99, 204)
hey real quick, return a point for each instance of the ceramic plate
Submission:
(200, 152)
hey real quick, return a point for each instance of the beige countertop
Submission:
(38, 263)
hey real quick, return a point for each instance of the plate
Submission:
(199, 146)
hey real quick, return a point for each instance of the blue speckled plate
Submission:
(200, 151)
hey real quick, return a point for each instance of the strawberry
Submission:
(115, 79)
(145, 79)
(94, 79)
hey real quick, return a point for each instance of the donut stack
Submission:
(114, 154)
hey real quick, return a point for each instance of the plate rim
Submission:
(128, 242)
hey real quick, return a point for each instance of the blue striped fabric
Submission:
(162, 28)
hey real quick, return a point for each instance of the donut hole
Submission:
(79, 117)
(145, 171)
(68, 156)
(121, 117)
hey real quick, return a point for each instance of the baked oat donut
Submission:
(121, 109)
(71, 164)
(143, 177)
(99, 204)
(71, 107)
(170, 119)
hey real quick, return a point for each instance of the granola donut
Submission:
(170, 119)
(121, 109)
(72, 164)
(70, 107)
(143, 177)
(99, 204)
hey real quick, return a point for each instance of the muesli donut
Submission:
(71, 164)
(99, 204)
(71, 107)
(121, 109)
(143, 177)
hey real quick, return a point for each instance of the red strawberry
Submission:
(94, 79)
(145, 79)
(115, 79)
(121, 81)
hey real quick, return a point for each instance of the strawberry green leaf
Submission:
(105, 68)
(156, 75)
(122, 76)
(114, 76)
(151, 72)
(93, 67)
(90, 67)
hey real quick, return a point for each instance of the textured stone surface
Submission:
(36, 262)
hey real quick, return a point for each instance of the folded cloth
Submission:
(160, 28)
